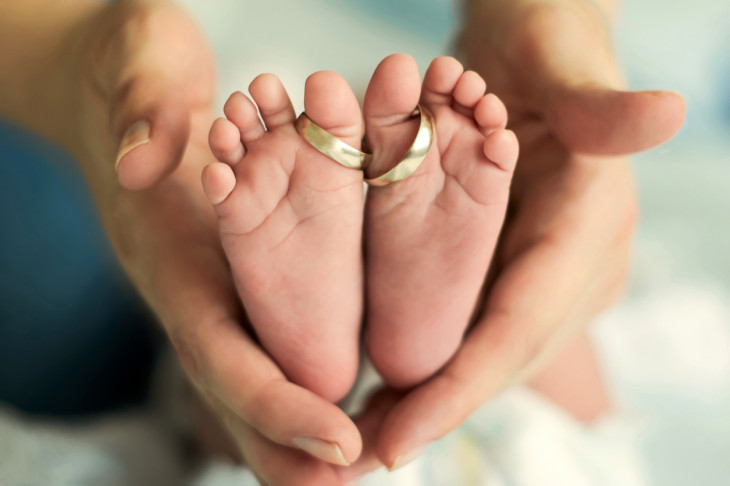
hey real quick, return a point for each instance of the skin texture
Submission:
(429, 239)
(562, 257)
(565, 246)
(291, 225)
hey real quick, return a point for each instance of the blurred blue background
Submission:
(74, 337)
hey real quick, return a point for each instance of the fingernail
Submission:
(404, 459)
(137, 134)
(321, 449)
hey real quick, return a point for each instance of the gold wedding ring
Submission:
(352, 158)
(415, 155)
(328, 144)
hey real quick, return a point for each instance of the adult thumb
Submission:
(152, 126)
(604, 121)
(569, 64)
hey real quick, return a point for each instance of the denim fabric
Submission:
(74, 338)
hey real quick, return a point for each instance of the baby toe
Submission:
(501, 147)
(441, 77)
(218, 182)
(393, 93)
(468, 91)
(241, 111)
(273, 101)
(490, 113)
(330, 103)
(225, 141)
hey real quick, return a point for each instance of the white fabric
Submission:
(517, 439)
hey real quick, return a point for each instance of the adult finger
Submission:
(596, 120)
(369, 423)
(566, 50)
(151, 126)
(276, 465)
(531, 300)
(196, 299)
(140, 71)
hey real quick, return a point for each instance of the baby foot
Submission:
(430, 238)
(291, 226)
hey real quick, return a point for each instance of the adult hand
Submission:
(565, 246)
(133, 84)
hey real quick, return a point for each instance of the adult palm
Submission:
(565, 245)
(143, 78)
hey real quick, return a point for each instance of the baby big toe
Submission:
(392, 94)
(330, 103)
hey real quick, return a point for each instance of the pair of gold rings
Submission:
(352, 158)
